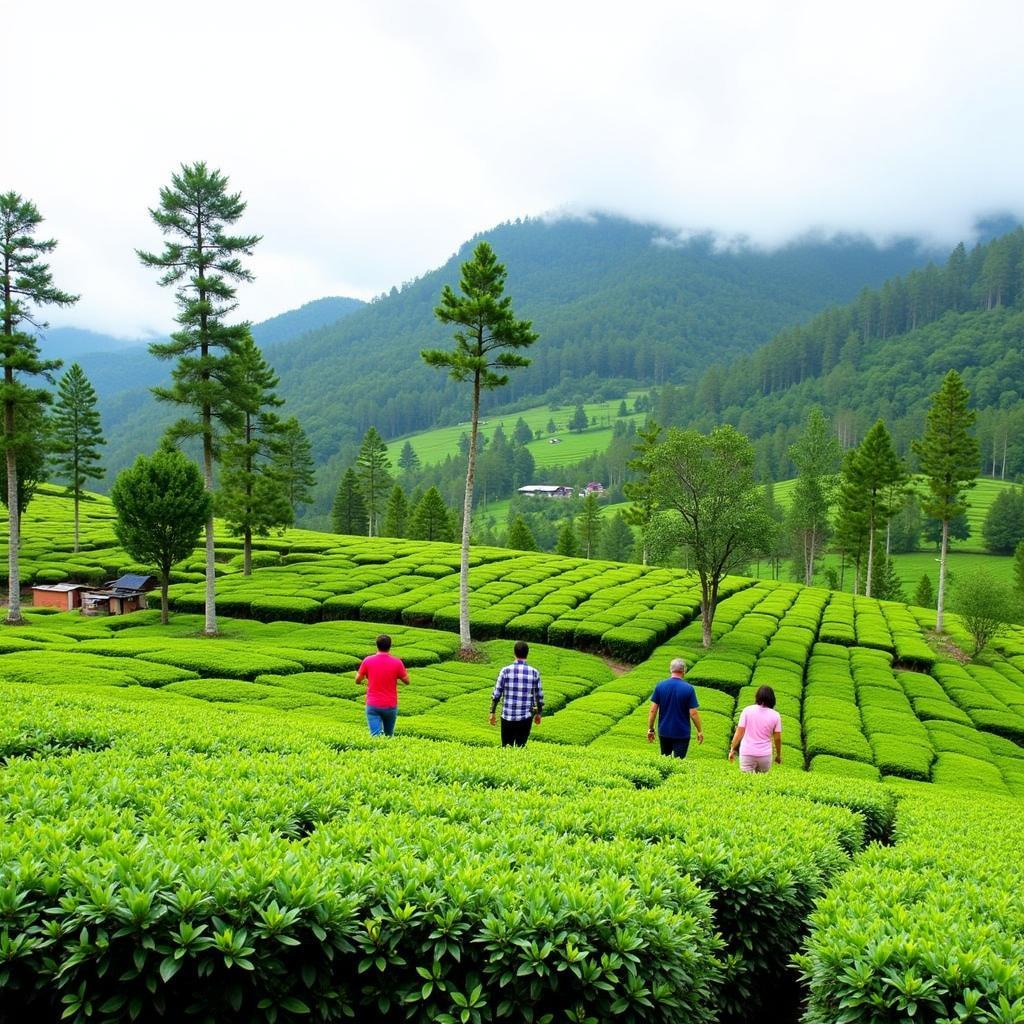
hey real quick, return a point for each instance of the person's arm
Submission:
(651, 716)
(361, 673)
(695, 716)
(539, 697)
(737, 736)
(499, 689)
(777, 740)
(404, 674)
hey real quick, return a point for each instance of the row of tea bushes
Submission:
(931, 929)
(166, 862)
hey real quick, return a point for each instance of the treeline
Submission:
(881, 356)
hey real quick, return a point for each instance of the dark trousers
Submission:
(515, 734)
(672, 746)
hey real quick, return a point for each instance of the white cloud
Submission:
(371, 138)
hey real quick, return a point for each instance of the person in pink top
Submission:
(382, 672)
(759, 730)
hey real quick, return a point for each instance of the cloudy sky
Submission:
(371, 137)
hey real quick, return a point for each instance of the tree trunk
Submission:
(247, 552)
(465, 641)
(706, 613)
(888, 537)
(871, 559)
(14, 526)
(940, 602)
(210, 626)
(164, 617)
(76, 520)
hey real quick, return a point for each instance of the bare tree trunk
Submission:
(940, 602)
(871, 559)
(247, 552)
(210, 626)
(888, 538)
(1002, 471)
(14, 526)
(706, 613)
(164, 618)
(465, 641)
(76, 520)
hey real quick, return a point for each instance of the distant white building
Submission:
(546, 491)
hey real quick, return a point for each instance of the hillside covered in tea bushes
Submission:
(202, 828)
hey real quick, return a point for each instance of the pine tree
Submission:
(950, 459)
(567, 544)
(589, 525)
(25, 282)
(408, 460)
(76, 435)
(816, 456)
(252, 498)
(874, 480)
(372, 465)
(640, 492)
(617, 540)
(162, 506)
(396, 515)
(623, 411)
(488, 338)
(520, 536)
(522, 433)
(293, 464)
(430, 519)
(348, 514)
(203, 261)
(579, 421)
(924, 596)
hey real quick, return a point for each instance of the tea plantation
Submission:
(202, 829)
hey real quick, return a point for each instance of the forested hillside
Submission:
(882, 356)
(611, 298)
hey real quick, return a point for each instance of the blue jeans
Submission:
(381, 720)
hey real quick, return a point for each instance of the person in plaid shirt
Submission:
(522, 696)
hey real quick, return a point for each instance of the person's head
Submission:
(765, 696)
(383, 642)
(677, 667)
(521, 649)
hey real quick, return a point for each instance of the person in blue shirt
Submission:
(674, 705)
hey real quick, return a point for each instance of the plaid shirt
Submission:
(519, 684)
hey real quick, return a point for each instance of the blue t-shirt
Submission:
(675, 698)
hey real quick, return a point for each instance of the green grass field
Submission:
(203, 826)
(434, 446)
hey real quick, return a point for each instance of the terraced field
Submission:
(206, 823)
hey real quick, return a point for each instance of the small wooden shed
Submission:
(65, 596)
(120, 596)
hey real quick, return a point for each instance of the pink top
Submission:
(382, 672)
(759, 723)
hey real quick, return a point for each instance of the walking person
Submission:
(522, 698)
(759, 730)
(674, 706)
(382, 672)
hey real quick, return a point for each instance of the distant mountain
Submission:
(883, 355)
(611, 299)
(71, 343)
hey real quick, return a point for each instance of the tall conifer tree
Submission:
(372, 466)
(488, 338)
(949, 458)
(293, 463)
(26, 282)
(76, 435)
(202, 260)
(348, 514)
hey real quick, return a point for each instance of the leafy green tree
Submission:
(488, 338)
(640, 491)
(589, 525)
(1018, 570)
(950, 459)
(1003, 528)
(396, 514)
(162, 506)
(887, 585)
(30, 455)
(617, 540)
(293, 464)
(408, 460)
(26, 282)
(76, 435)
(721, 518)
(430, 519)
(522, 433)
(567, 544)
(552, 427)
(906, 525)
(816, 457)
(874, 479)
(520, 536)
(579, 421)
(348, 514)
(623, 411)
(924, 596)
(203, 261)
(985, 606)
(252, 498)
(372, 470)
(851, 540)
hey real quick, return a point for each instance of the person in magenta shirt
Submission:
(382, 672)
(759, 730)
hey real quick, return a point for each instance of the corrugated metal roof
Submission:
(130, 581)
